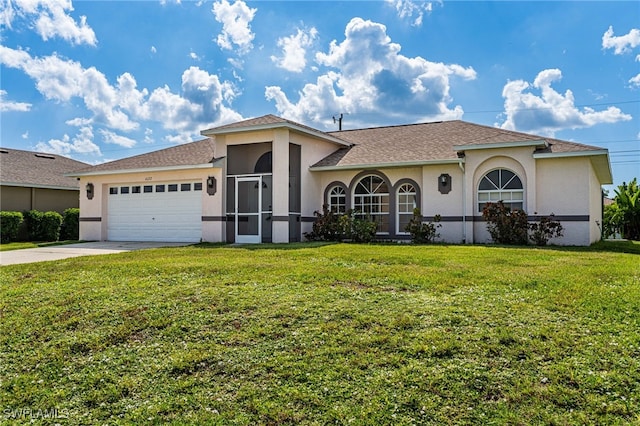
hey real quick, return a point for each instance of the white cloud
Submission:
(7, 106)
(82, 143)
(153, 49)
(294, 50)
(194, 56)
(369, 76)
(552, 111)
(25, 135)
(50, 19)
(407, 9)
(635, 81)
(204, 100)
(235, 19)
(621, 44)
(114, 138)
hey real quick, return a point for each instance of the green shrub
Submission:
(42, 226)
(545, 229)
(70, 224)
(330, 226)
(33, 223)
(506, 226)
(422, 232)
(326, 227)
(9, 226)
(356, 229)
(51, 223)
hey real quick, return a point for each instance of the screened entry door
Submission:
(248, 202)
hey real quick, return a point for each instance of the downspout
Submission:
(464, 202)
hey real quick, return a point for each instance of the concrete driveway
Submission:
(42, 254)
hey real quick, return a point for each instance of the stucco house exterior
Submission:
(260, 180)
(36, 181)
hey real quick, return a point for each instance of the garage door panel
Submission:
(155, 216)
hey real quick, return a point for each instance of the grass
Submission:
(34, 244)
(320, 334)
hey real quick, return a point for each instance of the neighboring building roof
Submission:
(189, 155)
(438, 142)
(37, 169)
(270, 121)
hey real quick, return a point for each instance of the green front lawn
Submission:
(34, 244)
(324, 334)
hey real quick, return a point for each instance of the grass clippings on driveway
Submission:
(324, 334)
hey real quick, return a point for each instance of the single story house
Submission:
(36, 181)
(262, 179)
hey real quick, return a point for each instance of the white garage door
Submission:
(167, 211)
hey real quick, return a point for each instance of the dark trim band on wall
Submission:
(280, 218)
(214, 218)
(90, 219)
(307, 218)
(560, 218)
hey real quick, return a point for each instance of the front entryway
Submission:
(248, 201)
(250, 207)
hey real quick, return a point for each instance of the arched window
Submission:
(371, 201)
(337, 199)
(501, 185)
(264, 163)
(407, 200)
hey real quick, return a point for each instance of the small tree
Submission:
(627, 202)
(422, 232)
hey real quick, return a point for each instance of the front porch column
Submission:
(280, 216)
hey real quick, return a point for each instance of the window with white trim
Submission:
(501, 185)
(337, 199)
(371, 201)
(406, 201)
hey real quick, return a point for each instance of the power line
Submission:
(555, 107)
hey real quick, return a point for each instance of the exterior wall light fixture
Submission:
(89, 188)
(211, 185)
(444, 183)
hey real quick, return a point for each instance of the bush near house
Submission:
(508, 226)
(423, 232)
(623, 216)
(70, 229)
(330, 226)
(34, 225)
(9, 226)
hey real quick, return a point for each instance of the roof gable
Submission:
(270, 121)
(37, 169)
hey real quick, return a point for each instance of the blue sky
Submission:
(102, 80)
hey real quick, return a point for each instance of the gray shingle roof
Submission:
(428, 142)
(189, 154)
(28, 168)
(411, 143)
